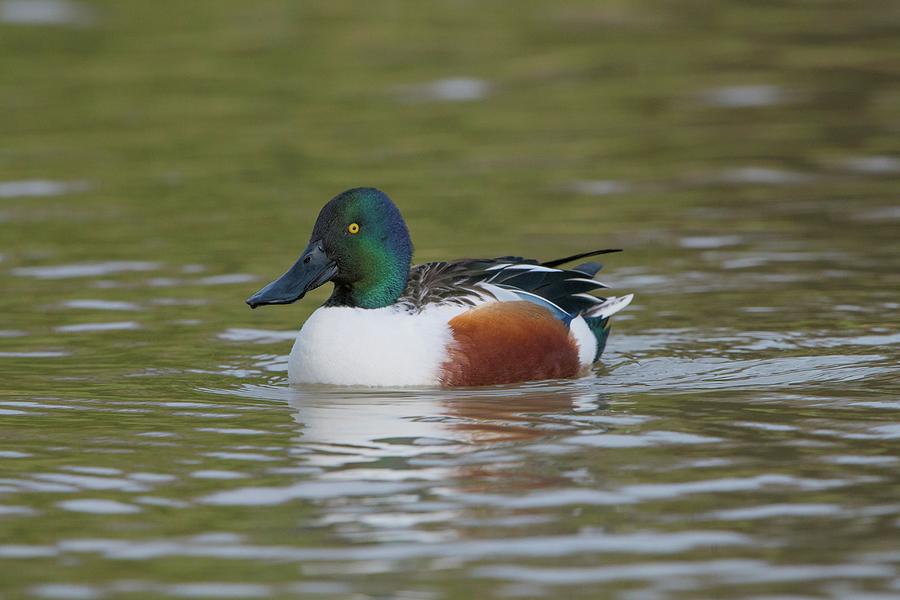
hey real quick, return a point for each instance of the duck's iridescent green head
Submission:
(360, 242)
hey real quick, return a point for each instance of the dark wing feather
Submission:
(524, 280)
(561, 261)
(566, 287)
(589, 268)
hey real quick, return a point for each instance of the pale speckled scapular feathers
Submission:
(463, 281)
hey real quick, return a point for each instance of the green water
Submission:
(160, 161)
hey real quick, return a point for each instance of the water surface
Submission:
(161, 161)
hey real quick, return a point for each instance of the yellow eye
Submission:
(353, 228)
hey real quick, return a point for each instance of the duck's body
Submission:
(458, 323)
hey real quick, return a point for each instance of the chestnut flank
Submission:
(508, 342)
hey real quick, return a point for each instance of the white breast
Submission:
(373, 347)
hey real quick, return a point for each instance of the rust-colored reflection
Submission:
(492, 419)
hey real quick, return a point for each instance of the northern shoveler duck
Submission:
(456, 323)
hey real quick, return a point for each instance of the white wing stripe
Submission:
(610, 307)
(535, 268)
(586, 280)
(594, 299)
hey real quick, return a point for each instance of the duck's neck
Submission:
(378, 286)
(363, 294)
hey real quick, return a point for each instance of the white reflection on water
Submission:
(16, 510)
(348, 434)
(874, 165)
(261, 336)
(217, 474)
(885, 213)
(93, 470)
(226, 279)
(88, 327)
(723, 571)
(89, 482)
(343, 426)
(705, 242)
(13, 454)
(26, 551)
(35, 354)
(98, 506)
(760, 176)
(232, 430)
(600, 187)
(211, 589)
(93, 304)
(268, 496)
(651, 438)
(33, 187)
(722, 373)
(769, 511)
(647, 542)
(454, 89)
(92, 269)
(744, 96)
(642, 492)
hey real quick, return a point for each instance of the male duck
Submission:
(456, 323)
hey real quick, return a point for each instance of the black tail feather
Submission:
(562, 261)
(589, 268)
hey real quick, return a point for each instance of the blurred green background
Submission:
(211, 132)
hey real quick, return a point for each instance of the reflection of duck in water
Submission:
(343, 427)
(462, 322)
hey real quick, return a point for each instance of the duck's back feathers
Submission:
(495, 323)
(471, 281)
